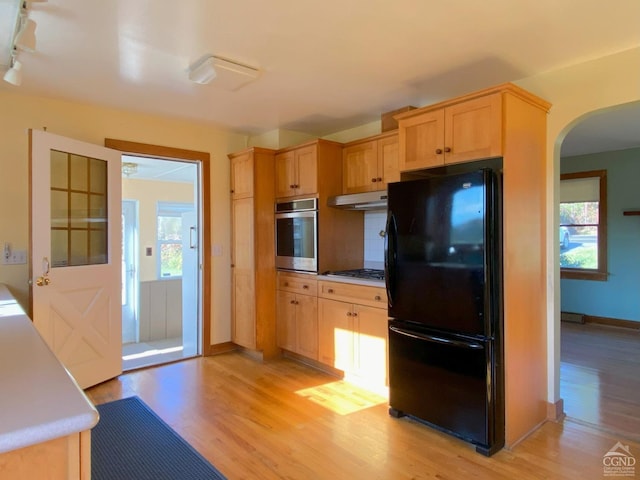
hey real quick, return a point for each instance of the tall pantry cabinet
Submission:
(253, 276)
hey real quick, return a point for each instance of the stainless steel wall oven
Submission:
(296, 233)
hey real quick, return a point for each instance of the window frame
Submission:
(601, 273)
(168, 209)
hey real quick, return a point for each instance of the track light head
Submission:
(14, 74)
(26, 37)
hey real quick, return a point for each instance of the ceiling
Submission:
(325, 66)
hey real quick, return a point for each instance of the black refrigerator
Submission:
(444, 285)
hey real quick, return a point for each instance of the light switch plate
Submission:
(16, 257)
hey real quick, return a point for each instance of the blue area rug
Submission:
(130, 442)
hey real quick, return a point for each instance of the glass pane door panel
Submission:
(97, 176)
(59, 170)
(79, 169)
(59, 209)
(59, 247)
(79, 210)
(79, 248)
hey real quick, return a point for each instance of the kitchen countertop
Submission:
(356, 281)
(40, 401)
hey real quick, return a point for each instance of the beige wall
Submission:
(92, 124)
(148, 193)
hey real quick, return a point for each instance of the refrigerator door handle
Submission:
(436, 339)
(390, 255)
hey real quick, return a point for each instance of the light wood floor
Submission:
(283, 420)
(600, 377)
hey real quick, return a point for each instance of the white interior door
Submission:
(190, 283)
(76, 254)
(130, 327)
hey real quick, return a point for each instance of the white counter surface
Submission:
(356, 281)
(39, 400)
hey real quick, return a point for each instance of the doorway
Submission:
(600, 328)
(161, 283)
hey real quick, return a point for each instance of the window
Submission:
(583, 225)
(169, 218)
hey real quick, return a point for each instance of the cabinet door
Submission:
(422, 141)
(360, 168)
(372, 340)
(243, 278)
(306, 170)
(388, 157)
(242, 176)
(307, 326)
(335, 334)
(473, 129)
(286, 320)
(285, 174)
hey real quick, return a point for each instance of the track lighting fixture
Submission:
(15, 18)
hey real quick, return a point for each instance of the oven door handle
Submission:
(436, 339)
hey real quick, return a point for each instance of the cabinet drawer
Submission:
(348, 292)
(297, 283)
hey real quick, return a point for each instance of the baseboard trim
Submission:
(555, 411)
(612, 322)
(219, 348)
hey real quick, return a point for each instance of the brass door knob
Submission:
(43, 281)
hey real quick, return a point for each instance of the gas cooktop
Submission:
(364, 273)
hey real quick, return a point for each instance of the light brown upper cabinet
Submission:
(370, 164)
(297, 171)
(464, 130)
(242, 175)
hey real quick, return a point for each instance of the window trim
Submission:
(601, 273)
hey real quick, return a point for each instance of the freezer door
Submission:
(442, 380)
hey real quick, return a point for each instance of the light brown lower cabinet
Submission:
(63, 458)
(297, 314)
(297, 323)
(353, 338)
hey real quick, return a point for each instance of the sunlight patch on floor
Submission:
(342, 397)
(148, 353)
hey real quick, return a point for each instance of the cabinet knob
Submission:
(330, 290)
(305, 287)
(438, 151)
(292, 186)
(292, 302)
(232, 265)
(296, 302)
(374, 180)
(379, 179)
(349, 314)
(355, 314)
(447, 149)
(377, 298)
(233, 191)
(286, 284)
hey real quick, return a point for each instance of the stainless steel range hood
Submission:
(360, 201)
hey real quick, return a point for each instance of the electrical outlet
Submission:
(15, 257)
